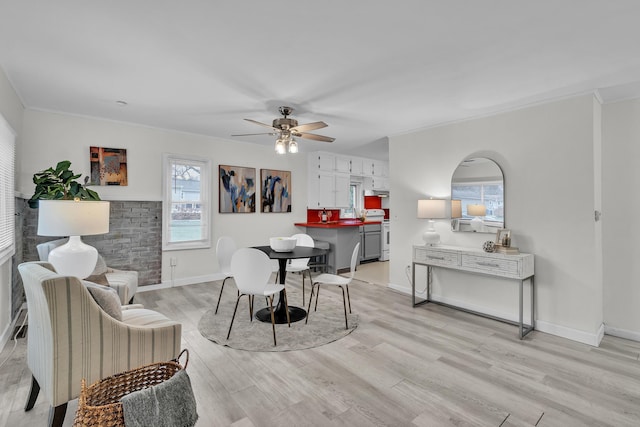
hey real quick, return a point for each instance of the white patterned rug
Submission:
(325, 325)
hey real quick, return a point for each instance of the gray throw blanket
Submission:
(169, 404)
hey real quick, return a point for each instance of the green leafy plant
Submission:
(60, 184)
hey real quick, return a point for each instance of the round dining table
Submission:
(280, 313)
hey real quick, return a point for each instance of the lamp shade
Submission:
(431, 208)
(456, 208)
(72, 218)
(476, 210)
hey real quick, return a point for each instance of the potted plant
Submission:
(60, 184)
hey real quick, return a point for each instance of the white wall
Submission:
(546, 153)
(621, 180)
(11, 109)
(51, 137)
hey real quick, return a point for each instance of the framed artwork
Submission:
(237, 189)
(108, 166)
(503, 237)
(276, 191)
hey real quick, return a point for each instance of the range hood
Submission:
(379, 193)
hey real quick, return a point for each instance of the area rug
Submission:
(325, 325)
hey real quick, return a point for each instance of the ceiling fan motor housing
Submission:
(284, 123)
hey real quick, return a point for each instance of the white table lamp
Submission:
(476, 211)
(431, 209)
(73, 218)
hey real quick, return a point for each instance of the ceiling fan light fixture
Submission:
(280, 146)
(286, 128)
(293, 146)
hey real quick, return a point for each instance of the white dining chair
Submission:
(301, 265)
(251, 270)
(225, 248)
(333, 279)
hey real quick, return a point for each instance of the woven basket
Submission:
(99, 404)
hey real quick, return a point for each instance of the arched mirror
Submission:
(477, 196)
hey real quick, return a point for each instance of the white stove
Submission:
(374, 215)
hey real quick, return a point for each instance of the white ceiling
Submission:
(368, 69)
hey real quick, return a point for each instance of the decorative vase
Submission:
(488, 246)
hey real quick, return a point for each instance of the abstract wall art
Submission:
(108, 166)
(237, 189)
(276, 191)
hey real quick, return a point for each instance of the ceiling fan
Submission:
(286, 128)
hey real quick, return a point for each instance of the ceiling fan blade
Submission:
(309, 126)
(314, 137)
(261, 124)
(251, 134)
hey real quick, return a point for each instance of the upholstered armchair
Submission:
(123, 281)
(70, 337)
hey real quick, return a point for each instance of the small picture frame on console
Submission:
(503, 237)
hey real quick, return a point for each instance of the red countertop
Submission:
(335, 224)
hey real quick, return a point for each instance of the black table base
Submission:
(295, 313)
(279, 313)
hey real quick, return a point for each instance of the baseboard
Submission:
(400, 288)
(182, 282)
(592, 339)
(622, 333)
(407, 290)
(589, 338)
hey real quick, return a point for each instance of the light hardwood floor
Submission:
(428, 366)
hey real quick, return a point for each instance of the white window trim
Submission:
(7, 191)
(206, 205)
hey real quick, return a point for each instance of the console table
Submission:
(518, 267)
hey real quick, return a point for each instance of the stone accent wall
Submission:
(134, 241)
(17, 290)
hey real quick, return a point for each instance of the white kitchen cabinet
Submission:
(342, 190)
(371, 167)
(356, 166)
(350, 165)
(328, 190)
(382, 168)
(329, 178)
(379, 183)
(322, 161)
(367, 167)
(343, 164)
(379, 168)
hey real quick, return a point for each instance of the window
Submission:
(7, 189)
(353, 211)
(186, 218)
(487, 193)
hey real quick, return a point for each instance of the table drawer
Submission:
(496, 266)
(435, 257)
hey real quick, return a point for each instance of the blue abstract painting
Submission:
(276, 190)
(237, 189)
